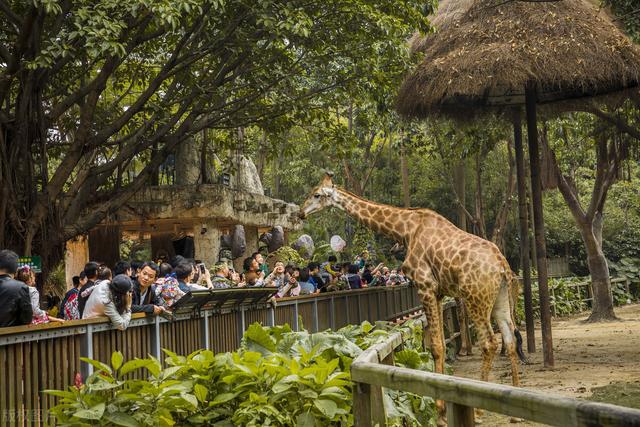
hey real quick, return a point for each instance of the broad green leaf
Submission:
(327, 407)
(256, 338)
(132, 365)
(116, 360)
(122, 419)
(97, 364)
(93, 413)
(201, 392)
(305, 420)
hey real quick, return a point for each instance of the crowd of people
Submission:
(153, 288)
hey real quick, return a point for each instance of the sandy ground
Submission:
(587, 357)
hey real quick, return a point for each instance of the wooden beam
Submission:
(536, 406)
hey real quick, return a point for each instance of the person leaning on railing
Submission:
(145, 299)
(15, 309)
(112, 299)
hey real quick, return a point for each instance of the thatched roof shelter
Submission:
(484, 52)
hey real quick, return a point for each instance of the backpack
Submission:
(70, 309)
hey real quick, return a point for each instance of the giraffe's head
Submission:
(323, 196)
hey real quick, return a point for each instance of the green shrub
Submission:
(278, 377)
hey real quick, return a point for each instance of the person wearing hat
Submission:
(111, 299)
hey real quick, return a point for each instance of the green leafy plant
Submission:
(278, 377)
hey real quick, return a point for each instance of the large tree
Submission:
(95, 95)
(588, 148)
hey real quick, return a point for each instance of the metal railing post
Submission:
(205, 339)
(86, 349)
(271, 316)
(295, 316)
(315, 315)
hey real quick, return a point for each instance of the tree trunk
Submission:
(459, 186)
(276, 175)
(538, 219)
(524, 233)
(479, 212)
(404, 171)
(497, 235)
(262, 155)
(602, 306)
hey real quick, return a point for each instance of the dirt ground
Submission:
(592, 361)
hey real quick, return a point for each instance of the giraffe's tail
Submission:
(519, 350)
(514, 294)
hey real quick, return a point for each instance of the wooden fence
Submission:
(374, 369)
(583, 289)
(39, 357)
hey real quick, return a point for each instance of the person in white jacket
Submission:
(111, 299)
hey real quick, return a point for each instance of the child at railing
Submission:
(27, 275)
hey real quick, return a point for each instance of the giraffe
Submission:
(441, 260)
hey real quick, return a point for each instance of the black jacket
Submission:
(15, 308)
(82, 301)
(150, 299)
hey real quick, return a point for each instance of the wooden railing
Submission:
(583, 289)
(374, 369)
(39, 357)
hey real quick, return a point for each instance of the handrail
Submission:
(141, 317)
(370, 372)
(38, 357)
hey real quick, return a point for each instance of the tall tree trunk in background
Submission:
(532, 231)
(262, 155)
(404, 171)
(155, 175)
(590, 221)
(479, 207)
(524, 231)
(279, 162)
(461, 193)
(466, 349)
(497, 235)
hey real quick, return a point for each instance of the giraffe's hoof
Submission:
(514, 420)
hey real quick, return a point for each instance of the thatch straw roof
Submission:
(484, 52)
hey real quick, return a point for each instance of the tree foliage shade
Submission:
(94, 96)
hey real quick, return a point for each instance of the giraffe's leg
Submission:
(486, 338)
(466, 348)
(433, 313)
(502, 316)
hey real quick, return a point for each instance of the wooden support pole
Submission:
(524, 232)
(538, 220)
(460, 415)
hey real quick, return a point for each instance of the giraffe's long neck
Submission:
(389, 220)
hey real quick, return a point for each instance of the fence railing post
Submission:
(315, 315)
(295, 317)
(272, 315)
(204, 339)
(368, 409)
(459, 415)
(86, 349)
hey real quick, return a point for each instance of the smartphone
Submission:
(201, 267)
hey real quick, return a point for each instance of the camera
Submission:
(201, 267)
